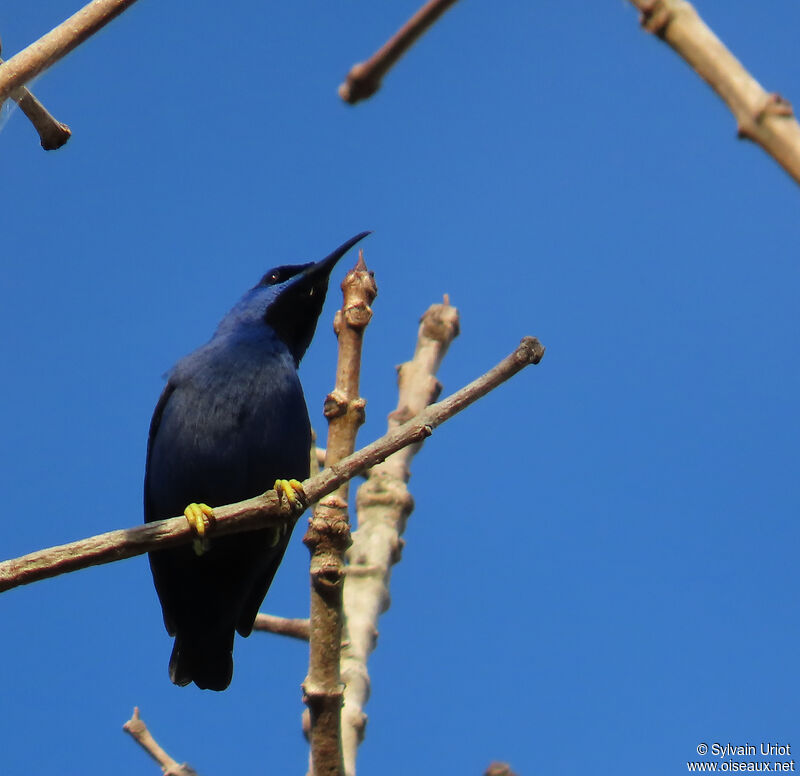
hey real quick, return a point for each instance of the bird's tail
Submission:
(205, 660)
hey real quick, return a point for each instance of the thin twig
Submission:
(283, 626)
(265, 510)
(138, 730)
(328, 535)
(384, 505)
(52, 134)
(764, 118)
(41, 54)
(364, 79)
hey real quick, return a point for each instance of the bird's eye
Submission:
(278, 275)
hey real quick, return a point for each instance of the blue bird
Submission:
(230, 424)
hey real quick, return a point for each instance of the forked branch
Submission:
(52, 134)
(136, 728)
(57, 43)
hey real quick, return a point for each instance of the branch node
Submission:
(401, 414)
(385, 490)
(774, 105)
(328, 528)
(333, 504)
(655, 17)
(335, 405)
(441, 322)
(358, 408)
(52, 133)
(398, 546)
(358, 315)
(357, 720)
(136, 728)
(316, 697)
(327, 577)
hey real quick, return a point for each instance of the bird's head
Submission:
(288, 300)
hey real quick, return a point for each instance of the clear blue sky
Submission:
(601, 571)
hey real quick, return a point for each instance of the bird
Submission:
(231, 423)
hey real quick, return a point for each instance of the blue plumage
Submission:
(231, 420)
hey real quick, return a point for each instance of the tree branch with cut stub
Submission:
(136, 728)
(364, 79)
(265, 510)
(47, 50)
(52, 134)
(763, 117)
(384, 504)
(328, 535)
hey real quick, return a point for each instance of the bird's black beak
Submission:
(313, 280)
(293, 315)
(323, 268)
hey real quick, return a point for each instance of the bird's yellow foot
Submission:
(293, 491)
(295, 496)
(200, 518)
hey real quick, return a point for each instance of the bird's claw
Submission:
(200, 518)
(294, 493)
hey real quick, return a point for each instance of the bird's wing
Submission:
(169, 389)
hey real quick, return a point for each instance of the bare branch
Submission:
(364, 79)
(52, 134)
(284, 626)
(764, 118)
(328, 535)
(138, 730)
(265, 510)
(384, 505)
(57, 43)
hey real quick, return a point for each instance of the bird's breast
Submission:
(227, 433)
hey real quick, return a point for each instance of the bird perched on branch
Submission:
(231, 424)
